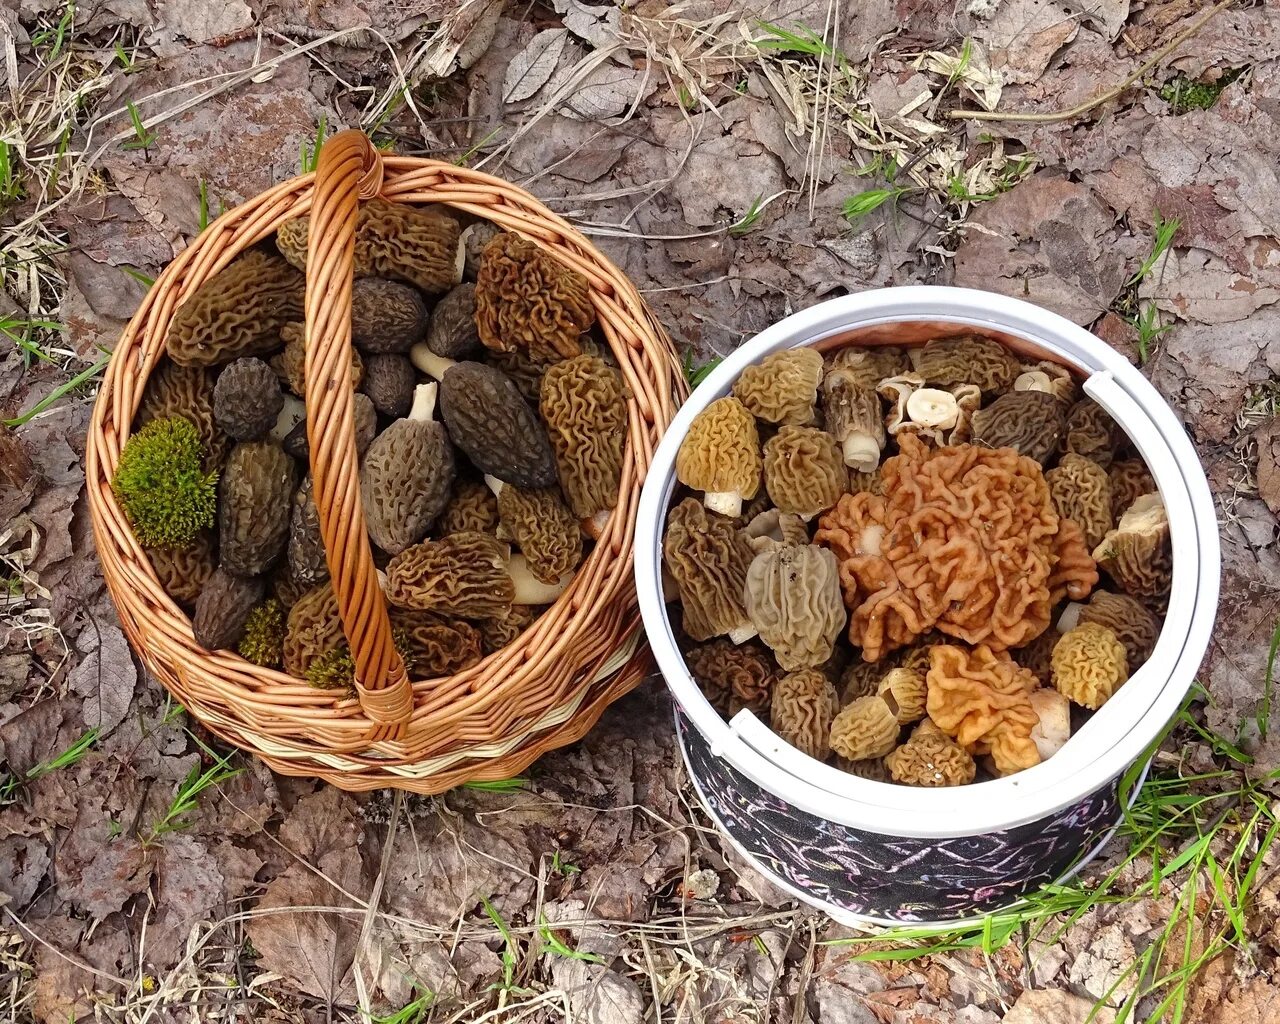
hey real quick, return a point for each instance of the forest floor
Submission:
(739, 160)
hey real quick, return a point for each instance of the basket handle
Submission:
(349, 169)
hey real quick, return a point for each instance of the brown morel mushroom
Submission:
(183, 571)
(1050, 378)
(584, 406)
(932, 760)
(946, 362)
(862, 678)
(708, 558)
(295, 442)
(474, 239)
(406, 476)
(493, 425)
(905, 691)
(803, 471)
(1081, 492)
(389, 381)
(1137, 553)
(253, 507)
(1089, 665)
(420, 245)
(237, 312)
(872, 768)
(473, 508)
(223, 608)
(312, 629)
(865, 729)
(501, 630)
(433, 646)
(804, 706)
(523, 371)
(1130, 480)
(452, 332)
(720, 455)
(290, 364)
(386, 316)
(185, 391)
(247, 399)
(852, 415)
(1129, 619)
(870, 366)
(1034, 656)
(793, 600)
(783, 387)
(307, 565)
(527, 299)
(542, 526)
(771, 529)
(1030, 422)
(1091, 432)
(734, 676)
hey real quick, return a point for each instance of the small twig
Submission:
(1097, 101)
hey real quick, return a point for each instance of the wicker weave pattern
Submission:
(491, 721)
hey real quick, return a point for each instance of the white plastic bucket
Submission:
(1019, 832)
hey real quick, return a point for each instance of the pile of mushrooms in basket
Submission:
(926, 566)
(489, 422)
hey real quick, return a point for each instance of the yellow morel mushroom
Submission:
(783, 387)
(541, 525)
(1089, 665)
(804, 706)
(931, 761)
(734, 676)
(472, 508)
(1129, 619)
(708, 558)
(1090, 431)
(720, 455)
(866, 728)
(1081, 492)
(1130, 480)
(946, 362)
(803, 471)
(793, 600)
(905, 691)
(1137, 553)
(852, 414)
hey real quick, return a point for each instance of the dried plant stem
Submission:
(1110, 94)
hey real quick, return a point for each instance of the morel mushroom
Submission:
(866, 728)
(386, 316)
(1034, 656)
(389, 381)
(187, 391)
(905, 691)
(720, 455)
(1089, 665)
(1081, 492)
(1129, 619)
(247, 399)
(223, 608)
(307, 564)
(584, 407)
(313, 629)
(1050, 378)
(771, 529)
(474, 239)
(1090, 431)
(1053, 729)
(237, 312)
(452, 332)
(1137, 554)
(527, 299)
(980, 699)
(490, 421)
(803, 471)
(433, 646)
(501, 630)
(852, 415)
(804, 706)
(296, 443)
(931, 760)
(253, 510)
(861, 679)
(406, 476)
(1130, 480)
(946, 362)
(783, 387)
(734, 676)
(183, 571)
(872, 768)
(470, 575)
(870, 366)
(290, 365)
(1030, 422)
(525, 374)
(542, 526)
(793, 601)
(708, 560)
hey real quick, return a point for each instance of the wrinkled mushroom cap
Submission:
(734, 676)
(1030, 422)
(543, 528)
(452, 332)
(905, 691)
(1089, 665)
(473, 508)
(290, 364)
(386, 316)
(307, 563)
(223, 608)
(584, 407)
(981, 700)
(420, 245)
(860, 679)
(1137, 553)
(1130, 480)
(1132, 622)
(803, 470)
(720, 455)
(183, 571)
(1090, 431)
(1050, 378)
(866, 728)
(708, 558)
(946, 362)
(1081, 492)
(793, 600)
(853, 417)
(313, 628)
(253, 507)
(783, 387)
(434, 646)
(804, 706)
(870, 366)
(931, 761)
(389, 381)
(501, 630)
(464, 574)
(246, 399)
(185, 391)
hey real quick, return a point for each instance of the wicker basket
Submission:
(544, 690)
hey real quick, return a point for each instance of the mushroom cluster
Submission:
(922, 565)
(490, 423)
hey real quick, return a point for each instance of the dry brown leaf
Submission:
(533, 66)
(1054, 1006)
(1022, 36)
(23, 863)
(1267, 438)
(96, 873)
(105, 676)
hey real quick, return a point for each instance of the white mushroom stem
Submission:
(292, 413)
(428, 362)
(743, 632)
(727, 503)
(933, 407)
(494, 484)
(530, 590)
(594, 526)
(424, 402)
(861, 452)
(384, 582)
(460, 260)
(1033, 380)
(1070, 617)
(1054, 728)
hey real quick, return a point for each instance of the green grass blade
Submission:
(81, 378)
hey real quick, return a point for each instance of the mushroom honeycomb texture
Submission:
(734, 676)
(793, 600)
(804, 472)
(861, 678)
(1091, 432)
(464, 574)
(313, 628)
(980, 698)
(869, 366)
(783, 387)
(1034, 656)
(183, 571)
(965, 541)
(864, 729)
(905, 691)
(434, 647)
(305, 551)
(162, 485)
(721, 451)
(708, 559)
(452, 331)
(872, 768)
(386, 316)
(263, 639)
(1129, 619)
(584, 407)
(290, 364)
(804, 706)
(254, 507)
(544, 530)
(771, 528)
(501, 630)
(1130, 480)
(185, 391)
(931, 761)
(1081, 492)
(1030, 422)
(389, 380)
(223, 608)
(527, 299)
(1137, 553)
(246, 399)
(237, 312)
(472, 509)
(946, 362)
(525, 374)
(1089, 665)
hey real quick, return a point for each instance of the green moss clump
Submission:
(336, 669)
(263, 640)
(1182, 94)
(162, 487)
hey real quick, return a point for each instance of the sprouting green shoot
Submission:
(509, 950)
(412, 1013)
(79, 380)
(498, 785)
(561, 867)
(465, 159)
(870, 200)
(1263, 717)
(142, 136)
(73, 755)
(125, 60)
(748, 220)
(139, 276)
(22, 333)
(685, 98)
(1165, 232)
(1147, 324)
(966, 56)
(10, 182)
(310, 153)
(696, 373)
(1184, 95)
(802, 41)
(173, 710)
(204, 205)
(58, 34)
(553, 943)
(187, 797)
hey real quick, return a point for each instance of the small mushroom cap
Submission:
(853, 417)
(389, 380)
(905, 691)
(419, 245)
(1089, 665)
(804, 706)
(933, 407)
(1048, 377)
(721, 451)
(183, 571)
(464, 574)
(307, 563)
(584, 406)
(734, 676)
(783, 387)
(947, 362)
(771, 528)
(527, 299)
(931, 761)
(313, 628)
(247, 399)
(1130, 480)
(866, 728)
(452, 333)
(1054, 728)
(804, 472)
(1090, 431)
(494, 426)
(1130, 620)
(793, 600)
(543, 528)
(386, 316)
(253, 507)
(472, 508)
(1137, 553)
(501, 630)
(237, 312)
(1030, 422)
(1081, 491)
(223, 608)
(870, 366)
(434, 647)
(708, 558)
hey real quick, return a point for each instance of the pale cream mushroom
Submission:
(1054, 728)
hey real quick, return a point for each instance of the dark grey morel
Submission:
(386, 316)
(366, 422)
(452, 332)
(253, 507)
(307, 564)
(389, 381)
(223, 607)
(247, 399)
